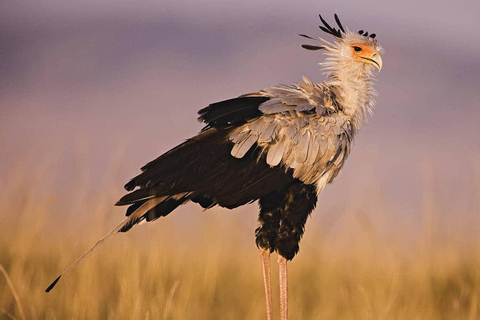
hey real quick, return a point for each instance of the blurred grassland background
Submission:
(92, 90)
(354, 263)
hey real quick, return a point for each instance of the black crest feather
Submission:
(310, 47)
(328, 29)
(337, 20)
(308, 37)
(338, 33)
(365, 34)
(313, 48)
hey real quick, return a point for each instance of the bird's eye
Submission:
(357, 49)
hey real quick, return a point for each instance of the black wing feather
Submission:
(131, 209)
(232, 112)
(203, 169)
(164, 208)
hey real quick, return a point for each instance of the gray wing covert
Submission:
(300, 129)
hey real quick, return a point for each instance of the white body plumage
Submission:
(309, 127)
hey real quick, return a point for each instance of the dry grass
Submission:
(204, 265)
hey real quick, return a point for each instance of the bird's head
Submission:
(359, 51)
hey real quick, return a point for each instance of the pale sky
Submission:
(102, 79)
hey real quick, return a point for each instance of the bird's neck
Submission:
(354, 90)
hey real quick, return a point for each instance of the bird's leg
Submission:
(271, 205)
(282, 272)
(265, 258)
(299, 202)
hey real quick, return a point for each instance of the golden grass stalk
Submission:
(361, 260)
(14, 293)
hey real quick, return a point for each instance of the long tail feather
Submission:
(135, 217)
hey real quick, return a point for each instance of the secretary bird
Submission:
(280, 146)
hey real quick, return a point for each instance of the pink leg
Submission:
(265, 258)
(282, 271)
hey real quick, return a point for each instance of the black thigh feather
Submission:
(282, 218)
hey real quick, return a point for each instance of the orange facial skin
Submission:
(366, 54)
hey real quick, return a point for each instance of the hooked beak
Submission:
(376, 61)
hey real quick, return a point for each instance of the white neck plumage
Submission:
(352, 84)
